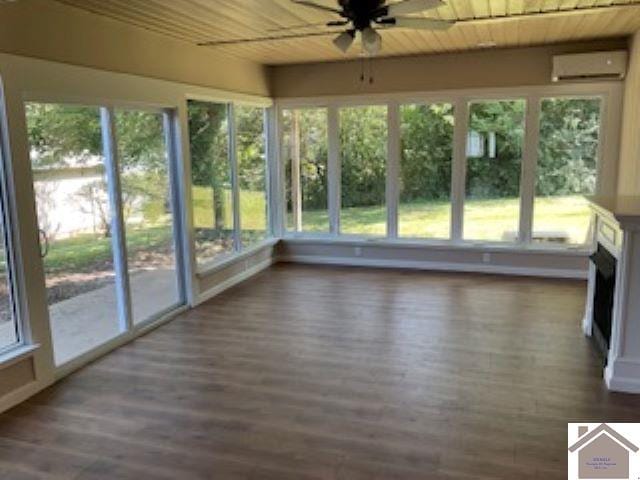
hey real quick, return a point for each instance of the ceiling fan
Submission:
(361, 17)
(364, 16)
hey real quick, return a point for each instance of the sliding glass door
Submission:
(108, 235)
(149, 221)
(75, 225)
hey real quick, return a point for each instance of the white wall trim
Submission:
(230, 282)
(436, 266)
(23, 393)
(623, 375)
(15, 355)
(426, 244)
(227, 261)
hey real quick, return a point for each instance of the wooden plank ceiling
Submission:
(503, 23)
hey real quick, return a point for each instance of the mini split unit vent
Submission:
(590, 66)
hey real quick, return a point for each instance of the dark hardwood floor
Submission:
(331, 373)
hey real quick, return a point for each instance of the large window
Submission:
(252, 173)
(228, 178)
(211, 179)
(363, 155)
(86, 188)
(461, 169)
(305, 160)
(424, 209)
(566, 169)
(494, 156)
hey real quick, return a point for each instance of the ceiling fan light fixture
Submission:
(371, 41)
(344, 40)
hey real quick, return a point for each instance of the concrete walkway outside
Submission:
(7, 334)
(82, 323)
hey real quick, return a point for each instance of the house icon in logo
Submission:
(602, 453)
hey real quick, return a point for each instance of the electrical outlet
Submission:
(486, 258)
(357, 251)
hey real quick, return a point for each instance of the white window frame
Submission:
(603, 131)
(395, 147)
(11, 243)
(266, 133)
(610, 92)
(529, 155)
(391, 203)
(332, 223)
(272, 186)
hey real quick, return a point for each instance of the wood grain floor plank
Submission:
(331, 373)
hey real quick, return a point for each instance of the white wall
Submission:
(51, 30)
(492, 68)
(629, 179)
(454, 258)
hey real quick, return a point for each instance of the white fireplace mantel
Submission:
(617, 228)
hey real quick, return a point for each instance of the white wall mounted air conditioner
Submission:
(590, 66)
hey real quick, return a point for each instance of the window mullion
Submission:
(458, 168)
(528, 172)
(333, 169)
(171, 142)
(393, 167)
(119, 243)
(296, 191)
(609, 126)
(233, 160)
(274, 172)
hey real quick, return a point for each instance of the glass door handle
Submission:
(44, 243)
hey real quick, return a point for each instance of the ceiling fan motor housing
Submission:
(362, 12)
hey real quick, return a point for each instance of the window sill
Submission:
(14, 355)
(494, 247)
(217, 265)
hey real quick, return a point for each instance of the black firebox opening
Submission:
(605, 286)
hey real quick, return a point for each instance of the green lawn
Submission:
(484, 219)
(83, 252)
(86, 252)
(253, 209)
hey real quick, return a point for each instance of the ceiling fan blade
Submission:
(417, 23)
(317, 6)
(407, 7)
(237, 41)
(304, 26)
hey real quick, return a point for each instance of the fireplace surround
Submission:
(612, 313)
